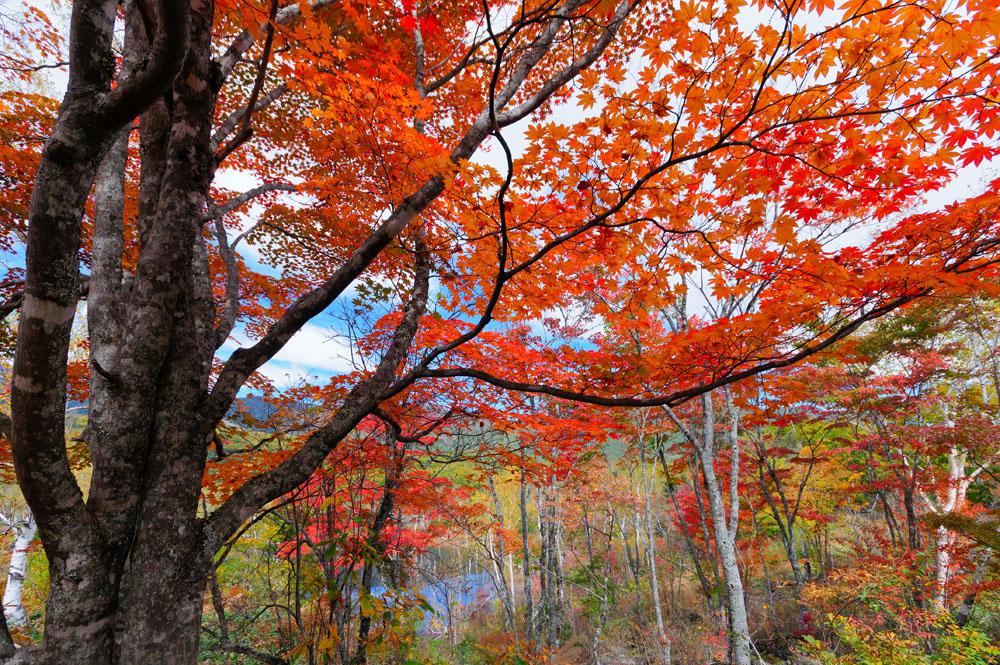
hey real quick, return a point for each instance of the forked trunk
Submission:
(153, 620)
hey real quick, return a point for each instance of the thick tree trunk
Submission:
(162, 629)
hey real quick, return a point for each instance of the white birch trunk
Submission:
(942, 562)
(944, 539)
(13, 608)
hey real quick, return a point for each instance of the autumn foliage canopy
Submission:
(517, 213)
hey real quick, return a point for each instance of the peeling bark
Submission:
(13, 609)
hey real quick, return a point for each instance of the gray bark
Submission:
(725, 540)
(529, 630)
(651, 557)
(496, 551)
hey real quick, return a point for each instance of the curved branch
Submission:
(228, 125)
(567, 74)
(245, 361)
(397, 429)
(245, 40)
(217, 212)
(246, 129)
(298, 468)
(232, 306)
(680, 396)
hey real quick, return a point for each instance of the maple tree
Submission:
(723, 140)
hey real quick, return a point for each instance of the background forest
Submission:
(500, 332)
(846, 508)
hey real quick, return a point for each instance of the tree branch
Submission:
(680, 396)
(228, 125)
(567, 74)
(167, 51)
(245, 361)
(397, 429)
(298, 468)
(232, 306)
(245, 40)
(265, 57)
(217, 212)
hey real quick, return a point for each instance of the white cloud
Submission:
(239, 181)
(316, 348)
(288, 376)
(313, 355)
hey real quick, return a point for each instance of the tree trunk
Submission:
(555, 568)
(954, 500)
(890, 519)
(12, 607)
(529, 631)
(912, 521)
(605, 596)
(163, 629)
(129, 561)
(726, 543)
(497, 554)
(7, 646)
(651, 559)
(668, 484)
(543, 569)
(786, 526)
(696, 486)
(913, 543)
(375, 547)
